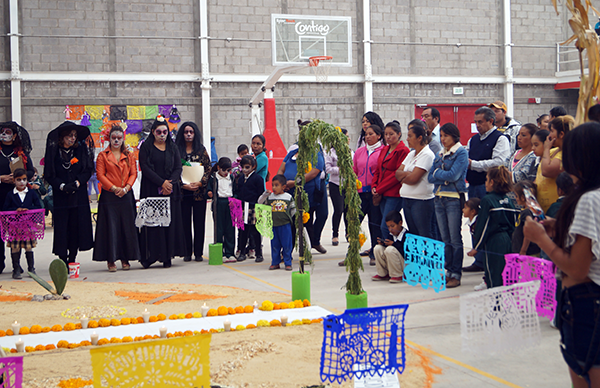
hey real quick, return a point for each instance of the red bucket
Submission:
(73, 270)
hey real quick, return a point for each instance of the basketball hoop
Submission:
(321, 72)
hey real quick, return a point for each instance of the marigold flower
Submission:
(181, 316)
(50, 347)
(2, 333)
(315, 321)
(103, 341)
(78, 325)
(250, 326)
(212, 313)
(213, 331)
(308, 167)
(170, 335)
(240, 327)
(35, 329)
(74, 160)
(188, 315)
(104, 322)
(46, 329)
(222, 310)
(69, 326)
(305, 217)
(283, 306)
(13, 350)
(72, 346)
(39, 348)
(85, 343)
(249, 309)
(147, 337)
(275, 322)
(276, 306)
(239, 309)
(358, 185)
(9, 332)
(197, 314)
(125, 321)
(56, 328)
(24, 330)
(203, 331)
(155, 336)
(139, 338)
(306, 321)
(173, 316)
(115, 340)
(230, 311)
(127, 339)
(115, 322)
(298, 304)
(188, 333)
(267, 305)
(62, 344)
(361, 239)
(152, 319)
(291, 305)
(141, 320)
(161, 317)
(132, 321)
(306, 302)
(29, 349)
(296, 322)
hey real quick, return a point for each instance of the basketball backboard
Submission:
(295, 38)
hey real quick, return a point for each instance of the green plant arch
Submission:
(330, 137)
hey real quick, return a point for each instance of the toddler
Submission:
(389, 253)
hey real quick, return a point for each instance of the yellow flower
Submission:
(115, 322)
(308, 167)
(296, 322)
(35, 329)
(127, 339)
(212, 313)
(339, 129)
(267, 305)
(298, 304)
(305, 217)
(197, 315)
(291, 305)
(275, 322)
(361, 239)
(283, 306)
(181, 316)
(240, 327)
(161, 317)
(358, 185)
(306, 302)
(306, 321)
(263, 323)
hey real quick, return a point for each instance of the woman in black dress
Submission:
(69, 164)
(161, 173)
(194, 194)
(14, 144)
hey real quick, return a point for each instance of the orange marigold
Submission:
(103, 341)
(213, 331)
(239, 309)
(188, 315)
(178, 334)
(24, 330)
(155, 336)
(56, 328)
(188, 333)
(152, 319)
(275, 322)
(50, 347)
(115, 322)
(133, 321)
(222, 310)
(173, 316)
(125, 321)
(170, 335)
(69, 327)
(276, 306)
(306, 302)
(104, 322)
(230, 310)
(250, 326)
(2, 333)
(92, 324)
(298, 304)
(29, 349)
(147, 337)
(138, 339)
(115, 340)
(161, 317)
(39, 348)
(13, 350)
(78, 326)
(35, 329)
(283, 305)
(127, 339)
(62, 344)
(85, 343)
(9, 332)
(315, 321)
(141, 320)
(203, 331)
(46, 329)
(73, 346)
(212, 313)
(248, 309)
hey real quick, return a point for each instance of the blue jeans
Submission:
(387, 205)
(282, 241)
(368, 209)
(449, 219)
(418, 214)
(321, 213)
(478, 192)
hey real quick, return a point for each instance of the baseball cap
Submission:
(498, 104)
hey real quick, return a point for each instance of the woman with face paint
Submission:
(161, 172)
(14, 144)
(69, 163)
(116, 235)
(193, 203)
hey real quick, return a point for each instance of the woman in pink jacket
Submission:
(365, 163)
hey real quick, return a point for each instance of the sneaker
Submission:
(187, 258)
(238, 253)
(372, 262)
(274, 267)
(365, 253)
(480, 287)
(378, 278)
(320, 248)
(288, 267)
(17, 275)
(453, 282)
(396, 280)
(229, 259)
(259, 259)
(252, 254)
(241, 257)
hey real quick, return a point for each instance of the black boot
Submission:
(2, 265)
(64, 258)
(30, 267)
(16, 257)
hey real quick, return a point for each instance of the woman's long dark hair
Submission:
(198, 147)
(170, 147)
(373, 118)
(580, 159)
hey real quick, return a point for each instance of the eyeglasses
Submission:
(163, 132)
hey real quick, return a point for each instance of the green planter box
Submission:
(215, 254)
(300, 286)
(356, 301)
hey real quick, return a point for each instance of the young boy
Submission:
(284, 209)
(389, 253)
(21, 199)
(236, 171)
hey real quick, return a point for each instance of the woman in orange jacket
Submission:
(116, 235)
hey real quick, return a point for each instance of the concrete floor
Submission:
(432, 320)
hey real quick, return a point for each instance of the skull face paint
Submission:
(116, 139)
(161, 133)
(6, 135)
(70, 139)
(188, 134)
(21, 182)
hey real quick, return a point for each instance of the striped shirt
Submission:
(586, 223)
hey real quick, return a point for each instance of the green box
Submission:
(300, 286)
(356, 301)
(215, 254)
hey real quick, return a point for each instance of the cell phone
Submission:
(533, 204)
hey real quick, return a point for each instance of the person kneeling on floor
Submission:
(389, 253)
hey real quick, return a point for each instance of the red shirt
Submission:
(384, 177)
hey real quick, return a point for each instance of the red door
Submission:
(460, 115)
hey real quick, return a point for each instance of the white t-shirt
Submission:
(586, 223)
(423, 189)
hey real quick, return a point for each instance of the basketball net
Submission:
(321, 72)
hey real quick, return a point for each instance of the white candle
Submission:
(204, 309)
(94, 338)
(16, 327)
(255, 304)
(227, 325)
(20, 346)
(84, 322)
(146, 316)
(163, 332)
(284, 320)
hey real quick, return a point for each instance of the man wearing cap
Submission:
(507, 125)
